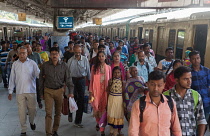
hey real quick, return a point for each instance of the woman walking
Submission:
(100, 75)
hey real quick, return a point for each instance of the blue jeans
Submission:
(5, 74)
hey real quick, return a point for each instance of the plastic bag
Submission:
(103, 120)
(72, 105)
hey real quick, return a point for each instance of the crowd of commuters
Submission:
(123, 80)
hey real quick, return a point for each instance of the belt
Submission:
(78, 78)
(55, 88)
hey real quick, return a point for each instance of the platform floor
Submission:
(10, 126)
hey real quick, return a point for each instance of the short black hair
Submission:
(70, 42)
(193, 53)
(55, 43)
(168, 49)
(177, 61)
(101, 46)
(27, 43)
(145, 45)
(54, 49)
(101, 39)
(180, 71)
(190, 48)
(157, 75)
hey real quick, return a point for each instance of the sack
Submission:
(72, 105)
(65, 106)
(103, 120)
(87, 105)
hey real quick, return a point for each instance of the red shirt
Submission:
(170, 81)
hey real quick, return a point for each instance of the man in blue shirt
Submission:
(201, 80)
(144, 68)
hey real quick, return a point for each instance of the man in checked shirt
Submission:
(188, 102)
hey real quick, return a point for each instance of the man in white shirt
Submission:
(23, 77)
(148, 57)
(166, 65)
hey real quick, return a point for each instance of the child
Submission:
(111, 47)
(115, 110)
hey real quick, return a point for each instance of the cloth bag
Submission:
(103, 120)
(65, 106)
(72, 105)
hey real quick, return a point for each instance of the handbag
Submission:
(103, 120)
(72, 105)
(65, 106)
(87, 105)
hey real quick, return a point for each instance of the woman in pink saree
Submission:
(100, 75)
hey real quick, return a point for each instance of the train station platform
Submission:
(10, 126)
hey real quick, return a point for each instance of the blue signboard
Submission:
(65, 22)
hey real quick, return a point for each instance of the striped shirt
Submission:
(3, 55)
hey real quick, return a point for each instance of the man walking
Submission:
(201, 81)
(23, 76)
(53, 76)
(79, 70)
(35, 57)
(189, 103)
(158, 115)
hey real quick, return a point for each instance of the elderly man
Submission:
(53, 76)
(23, 76)
(79, 70)
(35, 57)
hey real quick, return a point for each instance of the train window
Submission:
(131, 35)
(180, 44)
(134, 33)
(146, 35)
(171, 39)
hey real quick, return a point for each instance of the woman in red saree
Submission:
(100, 75)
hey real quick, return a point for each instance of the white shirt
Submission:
(23, 77)
(107, 51)
(79, 68)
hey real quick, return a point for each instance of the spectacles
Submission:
(22, 53)
(54, 54)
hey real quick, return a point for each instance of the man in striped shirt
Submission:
(5, 70)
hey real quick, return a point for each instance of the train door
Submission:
(151, 37)
(160, 49)
(200, 40)
(140, 33)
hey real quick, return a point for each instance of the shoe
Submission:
(78, 125)
(40, 105)
(70, 118)
(33, 127)
(97, 127)
(23, 134)
(55, 133)
(102, 133)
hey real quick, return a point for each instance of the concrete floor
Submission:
(10, 126)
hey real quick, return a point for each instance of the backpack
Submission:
(194, 93)
(143, 105)
(147, 66)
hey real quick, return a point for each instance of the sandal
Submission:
(97, 127)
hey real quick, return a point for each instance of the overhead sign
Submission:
(65, 22)
(21, 16)
(97, 21)
(104, 4)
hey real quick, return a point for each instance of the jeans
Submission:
(5, 74)
(79, 94)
